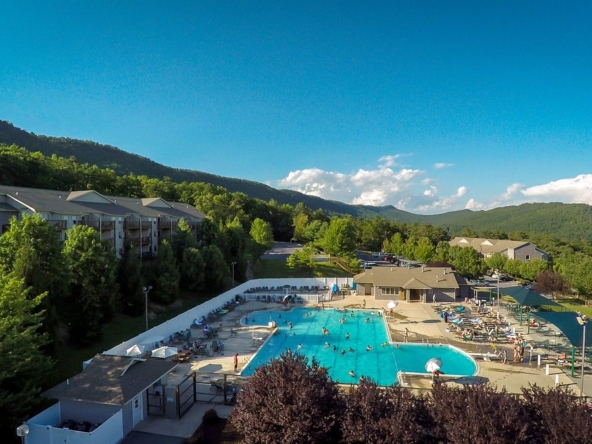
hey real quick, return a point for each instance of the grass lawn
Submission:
(271, 268)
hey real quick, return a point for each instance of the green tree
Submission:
(512, 267)
(92, 300)
(24, 368)
(165, 275)
(441, 253)
(129, 278)
(397, 244)
(300, 224)
(30, 249)
(425, 251)
(339, 239)
(467, 262)
(409, 247)
(302, 258)
(496, 261)
(183, 238)
(192, 270)
(532, 268)
(262, 234)
(217, 270)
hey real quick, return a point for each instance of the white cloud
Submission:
(408, 189)
(440, 165)
(572, 190)
(442, 204)
(389, 161)
(511, 191)
(432, 191)
(381, 186)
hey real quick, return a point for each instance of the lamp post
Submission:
(22, 431)
(583, 320)
(146, 290)
(232, 264)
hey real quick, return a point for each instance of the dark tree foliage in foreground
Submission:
(289, 401)
(385, 416)
(557, 416)
(479, 414)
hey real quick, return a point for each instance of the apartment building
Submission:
(143, 221)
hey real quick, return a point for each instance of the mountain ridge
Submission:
(566, 221)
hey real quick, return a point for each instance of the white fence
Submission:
(44, 429)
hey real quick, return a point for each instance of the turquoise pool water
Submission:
(381, 363)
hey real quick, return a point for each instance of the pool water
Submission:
(381, 363)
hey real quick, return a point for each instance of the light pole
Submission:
(22, 431)
(583, 320)
(233, 264)
(146, 290)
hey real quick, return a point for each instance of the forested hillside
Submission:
(565, 221)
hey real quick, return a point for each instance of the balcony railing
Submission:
(104, 225)
(135, 225)
(167, 225)
(58, 224)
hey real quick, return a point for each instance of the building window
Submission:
(528, 257)
(387, 290)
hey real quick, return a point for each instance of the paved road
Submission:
(281, 250)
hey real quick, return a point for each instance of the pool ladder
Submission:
(425, 341)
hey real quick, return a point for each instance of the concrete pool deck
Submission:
(424, 325)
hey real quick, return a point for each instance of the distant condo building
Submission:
(521, 250)
(144, 222)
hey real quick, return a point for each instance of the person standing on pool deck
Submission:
(364, 303)
(406, 335)
(236, 362)
(434, 298)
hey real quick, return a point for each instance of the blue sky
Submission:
(430, 106)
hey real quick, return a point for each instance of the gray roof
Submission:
(112, 380)
(409, 278)
(487, 246)
(91, 202)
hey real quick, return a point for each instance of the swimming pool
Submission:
(382, 363)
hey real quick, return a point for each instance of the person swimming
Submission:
(368, 348)
(384, 344)
(351, 350)
(347, 336)
(352, 374)
(367, 319)
(342, 352)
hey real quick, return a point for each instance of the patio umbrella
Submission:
(392, 304)
(164, 352)
(135, 350)
(433, 365)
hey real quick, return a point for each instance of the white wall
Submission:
(110, 432)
